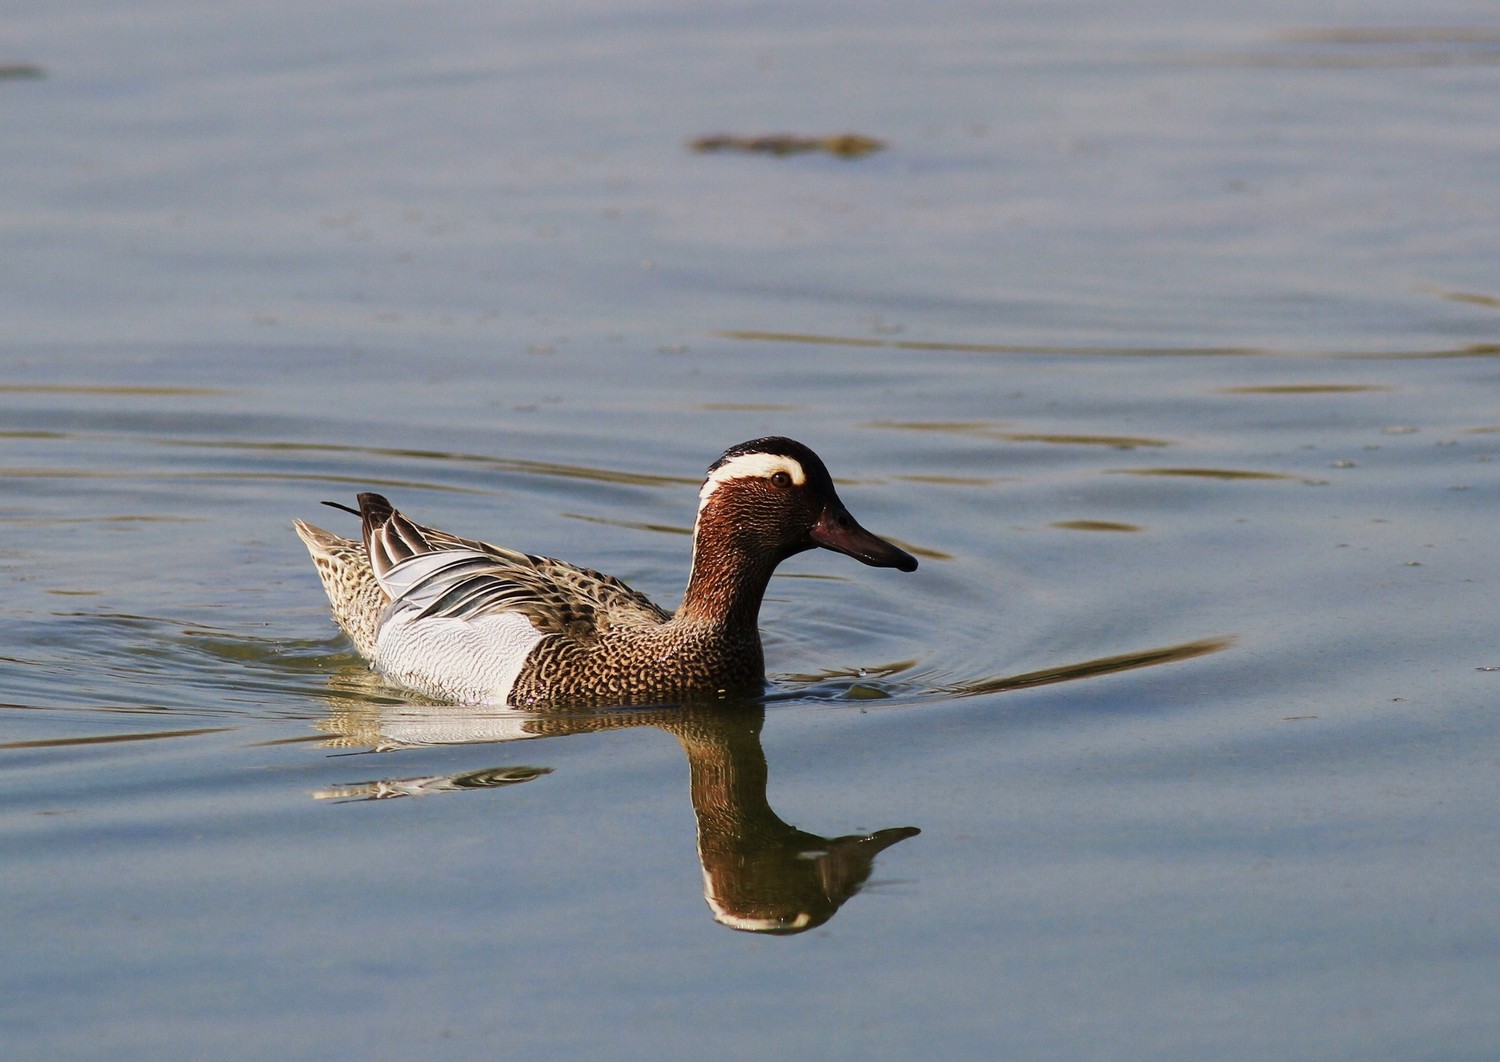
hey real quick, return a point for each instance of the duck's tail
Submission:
(353, 591)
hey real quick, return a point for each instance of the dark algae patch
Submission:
(844, 145)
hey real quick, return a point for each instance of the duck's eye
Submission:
(781, 479)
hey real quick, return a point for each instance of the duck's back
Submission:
(479, 623)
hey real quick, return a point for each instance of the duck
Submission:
(461, 620)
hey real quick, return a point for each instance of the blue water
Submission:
(1166, 338)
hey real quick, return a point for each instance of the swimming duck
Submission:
(463, 620)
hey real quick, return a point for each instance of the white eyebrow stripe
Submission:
(747, 466)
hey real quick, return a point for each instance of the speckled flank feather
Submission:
(355, 597)
(465, 620)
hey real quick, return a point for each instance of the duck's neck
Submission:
(725, 588)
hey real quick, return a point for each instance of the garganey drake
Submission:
(463, 620)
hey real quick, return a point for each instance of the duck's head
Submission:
(774, 498)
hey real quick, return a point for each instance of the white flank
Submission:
(473, 661)
(748, 466)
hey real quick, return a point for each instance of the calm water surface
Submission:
(1167, 339)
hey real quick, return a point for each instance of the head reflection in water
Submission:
(760, 874)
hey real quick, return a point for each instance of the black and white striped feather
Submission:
(443, 576)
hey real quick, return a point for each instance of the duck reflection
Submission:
(760, 874)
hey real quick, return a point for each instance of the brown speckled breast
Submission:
(640, 665)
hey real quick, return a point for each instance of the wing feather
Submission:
(443, 576)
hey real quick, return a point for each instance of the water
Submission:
(1165, 338)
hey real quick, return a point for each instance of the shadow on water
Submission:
(112, 739)
(1104, 665)
(108, 661)
(760, 874)
(880, 683)
(985, 430)
(1366, 48)
(1472, 350)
